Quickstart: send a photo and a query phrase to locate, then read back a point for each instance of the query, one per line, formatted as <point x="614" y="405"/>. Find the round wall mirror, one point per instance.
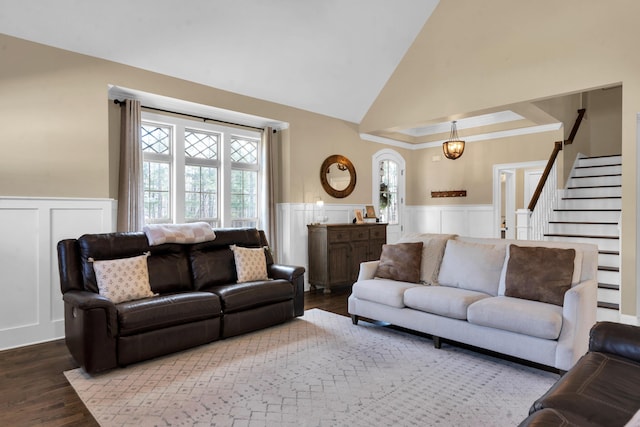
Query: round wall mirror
<point x="338" y="176"/>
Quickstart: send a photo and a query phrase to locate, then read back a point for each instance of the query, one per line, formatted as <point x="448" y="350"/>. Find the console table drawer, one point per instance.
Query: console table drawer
<point x="378" y="233"/>
<point x="360" y="234"/>
<point x="336" y="236"/>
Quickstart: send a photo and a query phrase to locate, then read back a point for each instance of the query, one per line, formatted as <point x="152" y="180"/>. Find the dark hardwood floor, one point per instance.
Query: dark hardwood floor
<point x="33" y="390"/>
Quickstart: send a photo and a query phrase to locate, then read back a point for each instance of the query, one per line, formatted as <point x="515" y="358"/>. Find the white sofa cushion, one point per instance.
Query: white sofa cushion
<point x="383" y="291"/>
<point x="472" y="266"/>
<point x="537" y="319"/>
<point x="432" y="252"/>
<point x="442" y="300"/>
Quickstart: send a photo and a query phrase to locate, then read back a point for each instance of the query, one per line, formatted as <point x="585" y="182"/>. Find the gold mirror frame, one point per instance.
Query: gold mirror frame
<point x="343" y="161"/>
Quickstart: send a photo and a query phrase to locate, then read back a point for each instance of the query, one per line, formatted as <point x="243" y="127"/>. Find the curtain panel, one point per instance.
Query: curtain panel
<point x="130" y="191"/>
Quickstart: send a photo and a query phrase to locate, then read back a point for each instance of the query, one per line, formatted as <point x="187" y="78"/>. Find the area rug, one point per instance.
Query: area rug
<point x="317" y="370"/>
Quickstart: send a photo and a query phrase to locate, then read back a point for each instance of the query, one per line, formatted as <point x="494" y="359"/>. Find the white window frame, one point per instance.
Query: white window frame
<point x="223" y="164"/>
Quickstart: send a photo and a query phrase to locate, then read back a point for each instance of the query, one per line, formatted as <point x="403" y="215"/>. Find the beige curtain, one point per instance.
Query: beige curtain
<point x="130" y="191"/>
<point x="268" y="189"/>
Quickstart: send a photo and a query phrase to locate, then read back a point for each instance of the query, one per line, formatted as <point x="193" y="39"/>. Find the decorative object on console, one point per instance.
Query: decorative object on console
<point x="359" y="217"/>
<point x="454" y="146"/>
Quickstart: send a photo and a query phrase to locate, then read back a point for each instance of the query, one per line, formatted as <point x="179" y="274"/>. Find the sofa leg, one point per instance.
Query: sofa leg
<point x="436" y="342"/>
<point x="354" y="319"/>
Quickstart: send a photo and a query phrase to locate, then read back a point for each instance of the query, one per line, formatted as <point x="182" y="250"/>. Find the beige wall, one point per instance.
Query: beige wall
<point x="504" y="52"/>
<point x="473" y="171"/>
<point x="60" y="132"/>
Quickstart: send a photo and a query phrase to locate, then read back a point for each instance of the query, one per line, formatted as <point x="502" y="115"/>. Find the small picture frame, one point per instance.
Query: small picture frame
<point x="359" y="217"/>
<point x="371" y="212"/>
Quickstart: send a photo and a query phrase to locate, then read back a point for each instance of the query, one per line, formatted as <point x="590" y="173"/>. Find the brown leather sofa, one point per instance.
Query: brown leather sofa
<point x="197" y="301"/>
<point x="602" y="388"/>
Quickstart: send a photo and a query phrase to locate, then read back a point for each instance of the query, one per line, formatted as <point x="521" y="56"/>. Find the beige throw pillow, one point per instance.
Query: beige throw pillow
<point x="432" y="252"/>
<point x="251" y="263"/>
<point x="400" y="262"/>
<point x="124" y="279"/>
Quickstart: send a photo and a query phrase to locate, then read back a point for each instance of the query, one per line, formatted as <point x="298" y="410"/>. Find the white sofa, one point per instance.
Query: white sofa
<point x="462" y="298"/>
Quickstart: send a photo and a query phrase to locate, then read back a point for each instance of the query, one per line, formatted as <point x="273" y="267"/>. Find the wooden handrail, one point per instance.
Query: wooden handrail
<point x="552" y="159"/>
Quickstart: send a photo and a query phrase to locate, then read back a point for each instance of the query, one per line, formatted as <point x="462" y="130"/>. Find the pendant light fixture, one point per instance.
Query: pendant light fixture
<point x="454" y="146"/>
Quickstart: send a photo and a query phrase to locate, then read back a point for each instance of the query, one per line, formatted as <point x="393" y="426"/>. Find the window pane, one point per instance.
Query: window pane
<point x="201" y="145"/>
<point x="244" y="150"/>
<point x="155" y="139"/>
<point x="244" y="195"/>
<point x="389" y="191"/>
<point x="201" y="193"/>
<point x="157" y="194"/>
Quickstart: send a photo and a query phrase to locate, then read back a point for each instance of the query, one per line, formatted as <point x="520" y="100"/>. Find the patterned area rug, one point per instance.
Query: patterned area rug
<point x="317" y="370"/>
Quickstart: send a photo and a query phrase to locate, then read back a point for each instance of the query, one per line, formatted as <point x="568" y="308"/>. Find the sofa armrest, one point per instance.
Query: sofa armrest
<point x="295" y="275"/>
<point x="91" y="330"/>
<point x="616" y="338"/>
<point x="85" y="300"/>
<point x="368" y="270"/>
<point x="578" y="316"/>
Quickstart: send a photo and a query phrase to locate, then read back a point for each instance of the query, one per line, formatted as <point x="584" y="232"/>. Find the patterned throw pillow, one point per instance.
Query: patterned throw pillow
<point x="251" y="263"/>
<point x="123" y="279"/>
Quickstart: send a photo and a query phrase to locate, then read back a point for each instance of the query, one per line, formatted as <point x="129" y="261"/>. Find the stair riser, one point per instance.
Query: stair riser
<point x="591" y="181"/>
<point x="609" y="295"/>
<point x="603" y="244"/>
<point x="607" y="315"/>
<point x="585" y="229"/>
<point x="607" y="260"/>
<point x="590" y="204"/>
<point x="594" y="192"/>
<point x="603" y="170"/>
<point x="597" y="161"/>
<point x="592" y="216"/>
<point x="610" y="277"/>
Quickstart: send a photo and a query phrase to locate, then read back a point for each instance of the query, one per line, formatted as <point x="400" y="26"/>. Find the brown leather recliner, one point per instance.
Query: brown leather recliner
<point x="602" y="388"/>
<point x="197" y="301"/>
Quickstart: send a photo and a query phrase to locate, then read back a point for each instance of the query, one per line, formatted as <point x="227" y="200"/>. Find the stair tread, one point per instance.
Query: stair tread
<point x="582" y="235"/>
<point x="609" y="252"/>
<point x="606" y="268"/>
<point x="609" y="305"/>
<point x="588" y="210"/>
<point x="583" y="222"/>
<point x="592" y="198"/>
<point x="598" y="166"/>
<point x="596" y="186"/>
<point x="597" y="176"/>
<point x="600" y="157"/>
<point x="609" y="286"/>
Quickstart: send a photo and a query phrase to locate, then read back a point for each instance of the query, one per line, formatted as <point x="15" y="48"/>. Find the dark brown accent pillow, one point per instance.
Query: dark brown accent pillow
<point x="400" y="262"/>
<point x="538" y="273"/>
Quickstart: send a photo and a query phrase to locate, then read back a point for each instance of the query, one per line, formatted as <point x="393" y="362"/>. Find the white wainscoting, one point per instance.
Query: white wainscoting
<point x="465" y="220"/>
<point x="31" y="308"/>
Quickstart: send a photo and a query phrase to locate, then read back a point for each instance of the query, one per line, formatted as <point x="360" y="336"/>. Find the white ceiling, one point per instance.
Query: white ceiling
<point x="331" y="57"/>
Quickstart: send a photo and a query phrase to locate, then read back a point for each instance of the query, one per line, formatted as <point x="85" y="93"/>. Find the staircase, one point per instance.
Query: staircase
<point x="590" y="212"/>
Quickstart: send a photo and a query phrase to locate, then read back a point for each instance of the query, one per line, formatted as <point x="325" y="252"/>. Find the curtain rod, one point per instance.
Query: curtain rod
<point x="118" y="102"/>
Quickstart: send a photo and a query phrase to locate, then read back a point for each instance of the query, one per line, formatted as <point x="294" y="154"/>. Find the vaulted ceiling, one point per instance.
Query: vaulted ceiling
<point x="331" y="57"/>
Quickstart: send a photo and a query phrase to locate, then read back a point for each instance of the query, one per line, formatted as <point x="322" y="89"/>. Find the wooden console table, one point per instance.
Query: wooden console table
<point x="336" y="251"/>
